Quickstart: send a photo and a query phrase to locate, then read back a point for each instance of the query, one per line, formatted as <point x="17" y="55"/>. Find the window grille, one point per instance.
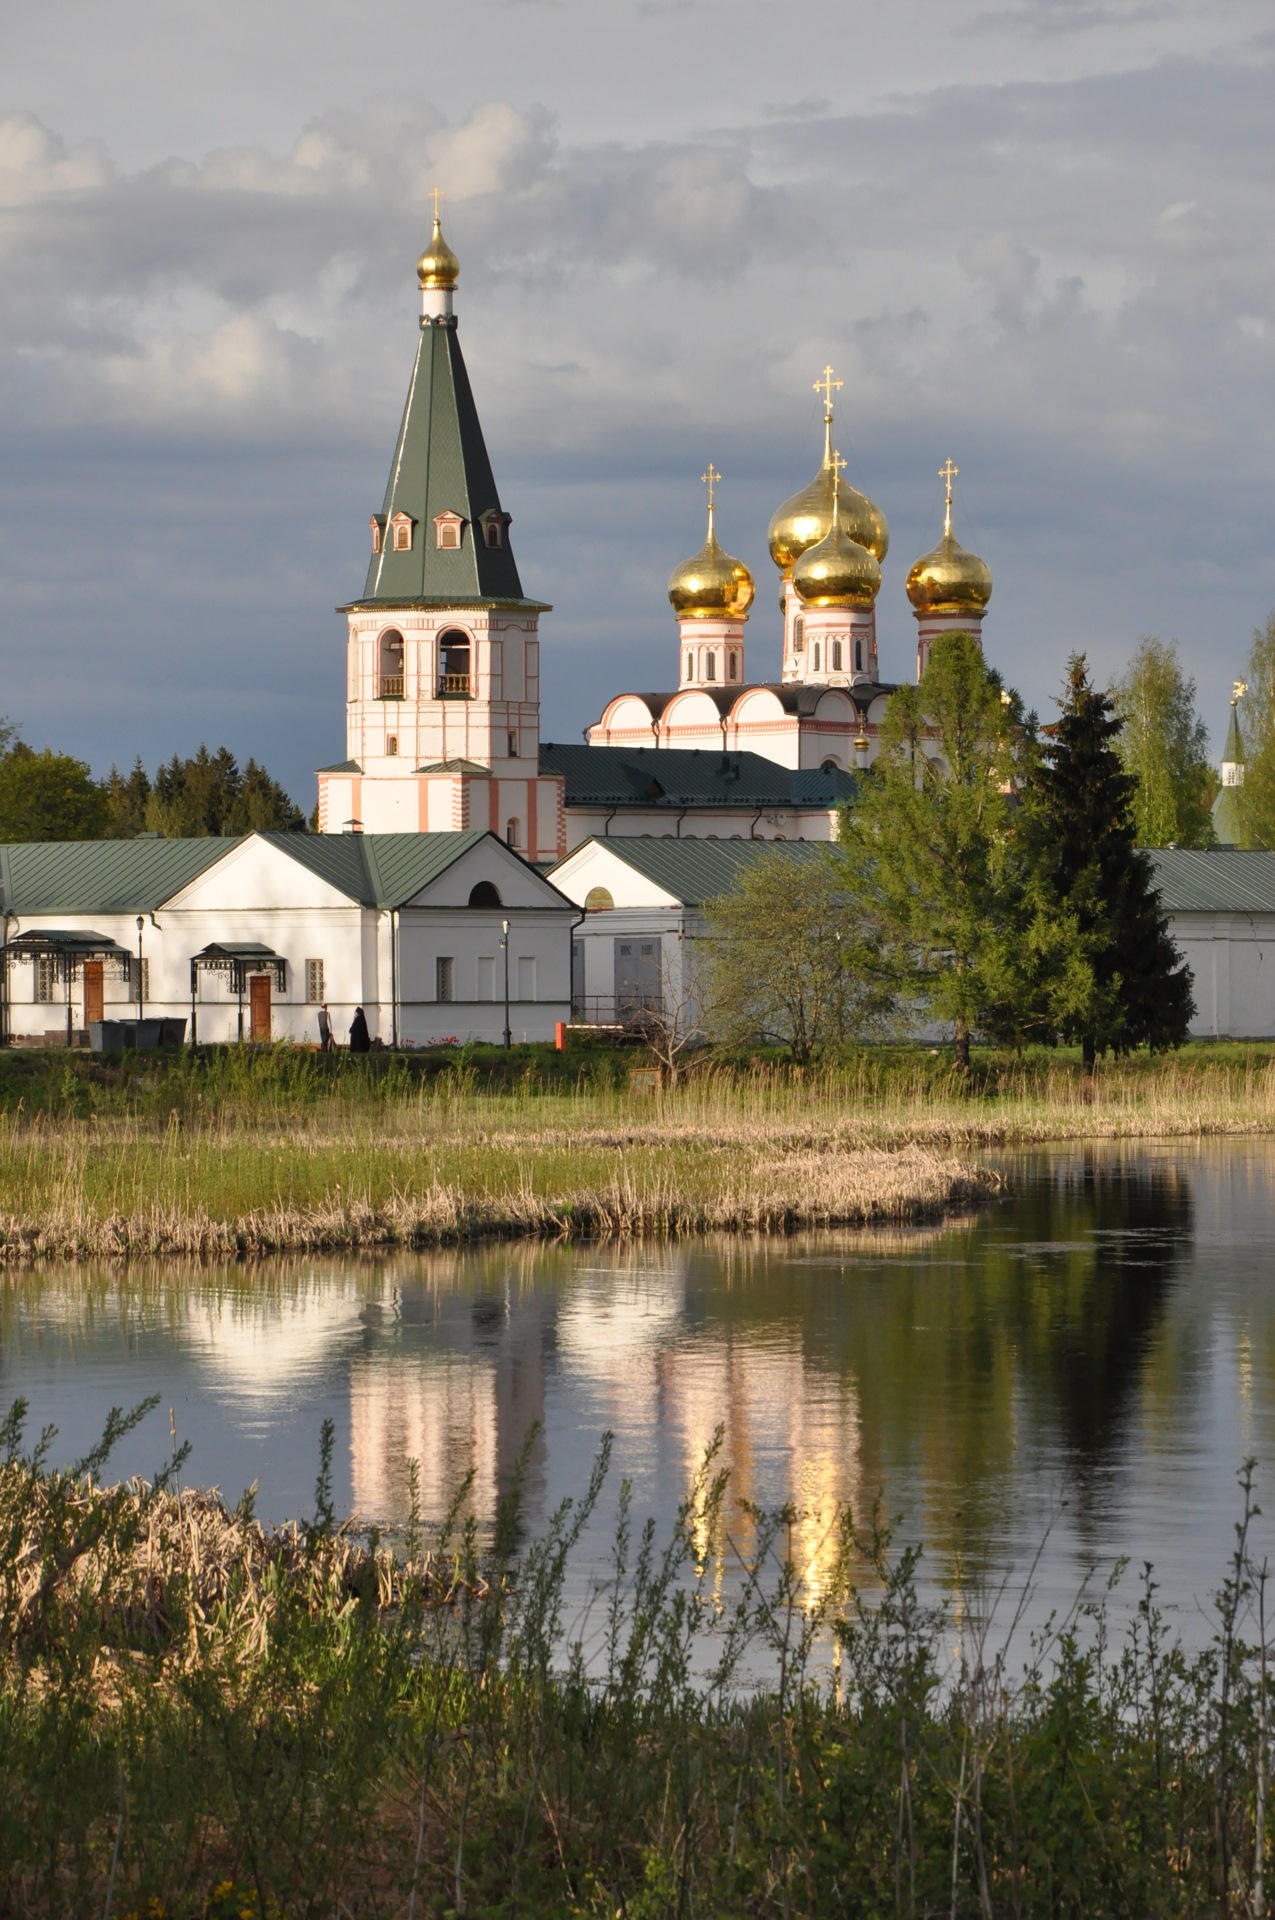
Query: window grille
<point x="314" y="988"/>
<point x="443" y="972"/>
<point x="46" y="977"/>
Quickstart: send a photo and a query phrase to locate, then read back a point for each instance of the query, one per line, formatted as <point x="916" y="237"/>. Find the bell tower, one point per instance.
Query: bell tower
<point x="443" y="648"/>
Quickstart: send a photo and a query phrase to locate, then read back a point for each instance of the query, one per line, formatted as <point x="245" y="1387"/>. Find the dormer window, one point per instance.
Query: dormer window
<point x="447" y="529"/>
<point x="378" y="531"/>
<point x="401" y="525"/>
<point x="493" y="524"/>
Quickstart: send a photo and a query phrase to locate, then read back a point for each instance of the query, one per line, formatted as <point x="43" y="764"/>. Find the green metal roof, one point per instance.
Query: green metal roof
<point x="440" y="466"/>
<point x="341" y="766"/>
<point x="673" y="777"/>
<point x="1226" y="817"/>
<point x="697" y="870"/>
<point x="1221" y="880"/>
<point x="101" y="876"/>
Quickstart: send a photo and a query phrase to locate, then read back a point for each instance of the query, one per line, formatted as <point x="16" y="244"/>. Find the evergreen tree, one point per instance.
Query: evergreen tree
<point x="208" y="794"/>
<point x="1255" y="800"/>
<point x="1079" y="824"/>
<point x="1163" y="743"/>
<point x="934" y="855"/>
<point x="126" y="798"/>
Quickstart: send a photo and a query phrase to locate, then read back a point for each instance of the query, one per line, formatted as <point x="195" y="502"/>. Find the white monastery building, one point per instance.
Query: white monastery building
<point x="470" y="880"/>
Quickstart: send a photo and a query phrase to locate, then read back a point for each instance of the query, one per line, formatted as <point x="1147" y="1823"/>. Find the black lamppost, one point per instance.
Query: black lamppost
<point x="140" y="924"/>
<point x="504" y="929"/>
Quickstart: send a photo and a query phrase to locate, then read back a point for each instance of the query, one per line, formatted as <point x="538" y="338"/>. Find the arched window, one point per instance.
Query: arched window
<point x="836" y="656"/>
<point x="828" y="766"/>
<point x="690" y="666"/>
<point x="858" y="656"/>
<point x="710" y="666"/>
<point x="513" y="833"/>
<point x="485" y="894"/>
<point x="391" y="674"/>
<point x="798" y="633"/>
<point x="599" y="900"/>
<point x="454" y="675"/>
<point x="816" y="656"/>
<point x="733" y="667"/>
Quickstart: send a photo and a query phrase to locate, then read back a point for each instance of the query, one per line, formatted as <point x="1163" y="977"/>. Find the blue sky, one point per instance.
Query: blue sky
<point x="1034" y="237"/>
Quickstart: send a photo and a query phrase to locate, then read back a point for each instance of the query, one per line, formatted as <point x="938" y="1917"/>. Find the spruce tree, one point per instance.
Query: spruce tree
<point x="1079" y="819"/>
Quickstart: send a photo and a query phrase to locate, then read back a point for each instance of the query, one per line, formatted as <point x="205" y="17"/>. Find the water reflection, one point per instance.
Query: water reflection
<point x="1105" y="1339"/>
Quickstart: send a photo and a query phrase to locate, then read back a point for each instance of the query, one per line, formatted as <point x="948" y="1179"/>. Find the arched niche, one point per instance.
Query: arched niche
<point x="455" y="662"/>
<point x="485" y="894"/>
<point x="390" y="664"/>
<point x="599" y="900"/>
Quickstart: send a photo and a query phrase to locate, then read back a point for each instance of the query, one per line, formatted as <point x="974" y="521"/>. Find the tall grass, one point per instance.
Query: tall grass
<point x="315" y="1728"/>
<point x="252" y="1150"/>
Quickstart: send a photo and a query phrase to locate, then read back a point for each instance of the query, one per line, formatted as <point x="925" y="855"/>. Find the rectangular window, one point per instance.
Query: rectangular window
<point x="391" y="743"/>
<point x="314" y="993"/>
<point x="526" y="976"/>
<point x="132" y="977"/>
<point x="46" y="977"/>
<point x="443" y="971"/>
<point x="513" y="746"/>
<point x="486" y="979"/>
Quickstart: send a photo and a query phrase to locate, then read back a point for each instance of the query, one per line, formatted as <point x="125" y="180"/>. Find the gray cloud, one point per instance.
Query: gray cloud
<point x="202" y="361"/>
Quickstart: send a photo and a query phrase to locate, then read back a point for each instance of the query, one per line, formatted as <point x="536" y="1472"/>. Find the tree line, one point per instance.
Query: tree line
<point x="46" y="795"/>
<point x="988" y="878"/>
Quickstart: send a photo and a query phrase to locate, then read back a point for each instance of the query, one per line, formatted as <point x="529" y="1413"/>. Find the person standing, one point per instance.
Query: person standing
<point x="360" y="1039"/>
<point x="326" y="1042"/>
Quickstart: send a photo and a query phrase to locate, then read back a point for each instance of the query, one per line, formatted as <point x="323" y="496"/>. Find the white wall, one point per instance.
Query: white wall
<point x="1232" y="956"/>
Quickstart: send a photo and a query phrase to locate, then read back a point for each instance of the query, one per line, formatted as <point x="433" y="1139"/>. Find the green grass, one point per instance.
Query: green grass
<point x="284" y="1147"/>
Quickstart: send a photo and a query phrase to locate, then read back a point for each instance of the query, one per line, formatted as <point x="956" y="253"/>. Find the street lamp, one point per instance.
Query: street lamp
<point x="140" y="924"/>
<point x="504" y="942"/>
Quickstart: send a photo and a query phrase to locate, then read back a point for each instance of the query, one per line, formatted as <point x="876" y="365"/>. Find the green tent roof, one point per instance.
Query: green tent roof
<point x="1222" y="880"/>
<point x="440" y="466"/>
<point x="697" y="870"/>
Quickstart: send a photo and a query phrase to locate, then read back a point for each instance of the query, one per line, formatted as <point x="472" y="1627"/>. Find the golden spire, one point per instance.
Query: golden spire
<point x="710" y="480"/>
<point x="438" y="265"/>
<point x="947" y="473"/>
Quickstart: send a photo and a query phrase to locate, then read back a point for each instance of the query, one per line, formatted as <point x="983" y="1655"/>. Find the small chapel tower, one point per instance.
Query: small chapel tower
<point x="948" y="587"/>
<point x="443" y="654"/>
<point x="1226" y="813"/>
<point x="711" y="594"/>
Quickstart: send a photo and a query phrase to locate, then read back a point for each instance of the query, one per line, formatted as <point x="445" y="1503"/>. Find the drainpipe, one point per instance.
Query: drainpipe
<point x="393" y="976"/>
<point x="606" y="825"/>
<point x="4" y="981"/>
<point x="752" y="831"/>
<point x="681" y="816"/>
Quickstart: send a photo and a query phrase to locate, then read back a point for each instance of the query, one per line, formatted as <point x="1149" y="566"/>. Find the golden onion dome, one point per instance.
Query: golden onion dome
<point x="837" y="571"/>
<point x="949" y="580"/>
<point x="438" y="265"/>
<point x="806" y="519"/>
<point x="712" y="585"/>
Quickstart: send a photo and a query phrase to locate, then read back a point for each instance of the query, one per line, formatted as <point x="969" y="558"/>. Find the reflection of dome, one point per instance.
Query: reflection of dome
<point x="807" y="518"/>
<point x="438" y="265"/>
<point x="949" y="580"/>
<point x="837" y="571"/>
<point x="712" y="586"/>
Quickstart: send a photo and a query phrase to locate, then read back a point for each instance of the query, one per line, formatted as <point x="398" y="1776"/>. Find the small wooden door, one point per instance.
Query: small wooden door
<point x="94" y="996"/>
<point x="259" y="992"/>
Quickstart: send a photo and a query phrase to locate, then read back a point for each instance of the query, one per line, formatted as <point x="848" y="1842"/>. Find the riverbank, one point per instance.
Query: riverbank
<point x="254" y="1152"/>
<point x="205" y="1719"/>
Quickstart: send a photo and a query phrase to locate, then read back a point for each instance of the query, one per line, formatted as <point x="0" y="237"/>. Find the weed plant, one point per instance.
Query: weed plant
<point x="421" y="1732"/>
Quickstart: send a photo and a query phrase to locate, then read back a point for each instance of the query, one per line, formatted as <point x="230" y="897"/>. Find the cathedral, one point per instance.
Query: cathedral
<point x="443" y="653"/>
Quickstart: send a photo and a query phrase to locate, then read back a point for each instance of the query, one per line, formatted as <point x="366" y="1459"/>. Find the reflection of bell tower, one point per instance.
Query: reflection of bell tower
<point x="443" y="657"/>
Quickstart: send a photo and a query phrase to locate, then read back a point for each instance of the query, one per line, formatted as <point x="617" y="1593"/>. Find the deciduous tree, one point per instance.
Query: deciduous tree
<point x="1255" y="800"/>
<point x="48" y="796"/>
<point x="1163" y="744"/>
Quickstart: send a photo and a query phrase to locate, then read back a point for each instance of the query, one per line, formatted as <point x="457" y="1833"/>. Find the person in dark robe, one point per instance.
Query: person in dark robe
<point x="360" y="1039"/>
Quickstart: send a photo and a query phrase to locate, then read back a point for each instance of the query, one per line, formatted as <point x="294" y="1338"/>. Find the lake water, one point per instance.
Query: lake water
<point x="1087" y="1363"/>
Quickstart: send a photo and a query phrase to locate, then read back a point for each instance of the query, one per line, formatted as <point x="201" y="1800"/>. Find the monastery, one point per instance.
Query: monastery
<point x="471" y="881"/>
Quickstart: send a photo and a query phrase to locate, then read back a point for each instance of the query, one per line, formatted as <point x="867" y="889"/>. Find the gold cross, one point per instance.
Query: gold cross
<point x="837" y="464"/>
<point x="827" y="384"/>
<point x="710" y="480"/>
<point x="947" y="473"/>
<point x="438" y="195"/>
<point x="1239" y="690"/>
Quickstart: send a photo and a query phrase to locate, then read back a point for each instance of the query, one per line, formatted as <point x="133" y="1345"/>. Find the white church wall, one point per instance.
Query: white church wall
<point x="468" y="940"/>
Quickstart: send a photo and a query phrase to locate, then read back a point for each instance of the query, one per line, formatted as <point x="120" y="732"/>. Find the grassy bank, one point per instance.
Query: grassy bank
<point x="200" y="1718"/>
<point x="259" y="1151"/>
